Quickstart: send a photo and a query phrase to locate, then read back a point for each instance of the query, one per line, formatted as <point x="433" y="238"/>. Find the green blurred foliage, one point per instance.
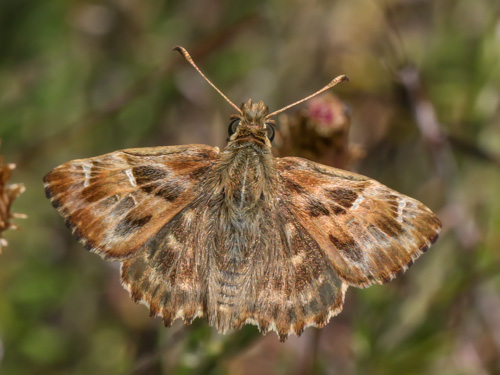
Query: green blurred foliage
<point x="82" y="78"/>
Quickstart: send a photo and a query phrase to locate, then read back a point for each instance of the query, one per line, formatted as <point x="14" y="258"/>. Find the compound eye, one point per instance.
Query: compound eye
<point x="270" y="131"/>
<point x="233" y="126"/>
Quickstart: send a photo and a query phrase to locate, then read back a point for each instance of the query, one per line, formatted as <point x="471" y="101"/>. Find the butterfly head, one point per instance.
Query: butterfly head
<point x="252" y="124"/>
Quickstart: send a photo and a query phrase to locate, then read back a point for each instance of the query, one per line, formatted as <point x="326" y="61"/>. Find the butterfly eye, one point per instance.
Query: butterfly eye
<point x="270" y="131"/>
<point x="233" y="126"/>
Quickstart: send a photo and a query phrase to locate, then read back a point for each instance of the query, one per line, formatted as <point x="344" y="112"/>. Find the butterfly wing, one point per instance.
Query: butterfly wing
<point x="323" y="229"/>
<point x="169" y="272"/>
<point x="298" y="287"/>
<point x="369" y="232"/>
<point x="115" y="202"/>
<point x="265" y="270"/>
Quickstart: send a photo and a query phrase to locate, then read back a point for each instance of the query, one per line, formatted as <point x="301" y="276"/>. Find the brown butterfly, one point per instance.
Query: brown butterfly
<point x="238" y="236"/>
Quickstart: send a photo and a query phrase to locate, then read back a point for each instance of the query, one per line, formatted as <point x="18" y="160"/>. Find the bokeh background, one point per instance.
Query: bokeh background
<point x="82" y="78"/>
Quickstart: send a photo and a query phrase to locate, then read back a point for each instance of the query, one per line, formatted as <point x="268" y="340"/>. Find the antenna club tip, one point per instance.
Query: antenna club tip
<point x="180" y="49"/>
<point x="338" y="80"/>
<point x="343" y="78"/>
<point x="184" y="54"/>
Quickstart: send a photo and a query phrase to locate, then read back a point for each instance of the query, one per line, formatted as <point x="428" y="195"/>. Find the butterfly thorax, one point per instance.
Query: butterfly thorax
<point x="246" y="176"/>
<point x="246" y="168"/>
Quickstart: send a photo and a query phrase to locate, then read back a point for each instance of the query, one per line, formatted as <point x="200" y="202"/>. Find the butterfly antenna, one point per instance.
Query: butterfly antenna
<point x="334" y="82"/>
<point x="186" y="55"/>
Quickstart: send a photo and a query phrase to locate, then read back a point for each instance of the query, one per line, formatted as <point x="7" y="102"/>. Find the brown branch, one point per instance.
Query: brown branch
<point x="8" y="193"/>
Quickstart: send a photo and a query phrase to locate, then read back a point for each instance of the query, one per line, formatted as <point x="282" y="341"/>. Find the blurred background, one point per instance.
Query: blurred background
<point x="421" y="114"/>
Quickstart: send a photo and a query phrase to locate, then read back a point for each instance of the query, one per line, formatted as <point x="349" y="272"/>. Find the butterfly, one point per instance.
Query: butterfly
<point x="239" y="236"/>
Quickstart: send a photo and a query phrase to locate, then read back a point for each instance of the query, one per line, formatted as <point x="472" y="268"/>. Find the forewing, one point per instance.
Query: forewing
<point x="115" y="202"/>
<point x="369" y="232"/>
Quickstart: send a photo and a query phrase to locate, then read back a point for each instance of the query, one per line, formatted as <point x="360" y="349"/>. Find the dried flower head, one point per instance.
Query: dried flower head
<point x="8" y="193"/>
<point x="320" y="133"/>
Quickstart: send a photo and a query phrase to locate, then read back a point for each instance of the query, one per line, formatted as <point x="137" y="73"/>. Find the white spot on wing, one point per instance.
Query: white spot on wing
<point x="131" y="177"/>
<point x="401" y="206"/>
<point x="356" y="203"/>
<point x="298" y="259"/>
<point x="86" y="170"/>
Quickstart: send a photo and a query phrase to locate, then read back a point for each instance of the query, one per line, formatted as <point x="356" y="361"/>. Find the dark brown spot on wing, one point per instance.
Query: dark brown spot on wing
<point x="56" y="204"/>
<point x="312" y="308"/>
<point x="301" y="277"/>
<point x="347" y="246"/>
<point x="389" y="226"/>
<point x="316" y="208"/>
<point x="169" y="191"/>
<point x="87" y="244"/>
<point x="146" y="174"/>
<point x="293" y="186"/>
<point x="291" y="314"/>
<point x="326" y="294"/>
<point x="165" y="259"/>
<point x="131" y="223"/>
<point x="125" y="205"/>
<point x="435" y="236"/>
<point x="344" y="197"/>
<point x="337" y="210"/>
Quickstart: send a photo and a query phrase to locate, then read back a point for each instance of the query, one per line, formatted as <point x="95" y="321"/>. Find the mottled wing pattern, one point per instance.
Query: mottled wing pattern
<point x="283" y="265"/>
<point x="369" y="232"/>
<point x="284" y="281"/>
<point x="115" y="202"/>
<point x="299" y="287"/>
<point x="169" y="271"/>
